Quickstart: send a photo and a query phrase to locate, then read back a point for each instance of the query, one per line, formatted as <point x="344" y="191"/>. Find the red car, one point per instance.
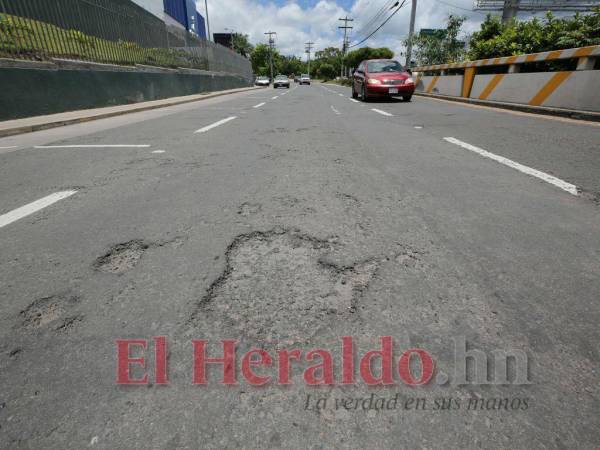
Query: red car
<point x="382" y="78"/>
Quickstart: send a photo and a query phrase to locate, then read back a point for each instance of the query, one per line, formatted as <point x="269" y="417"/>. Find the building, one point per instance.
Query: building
<point x="176" y="13"/>
<point x="224" y="39"/>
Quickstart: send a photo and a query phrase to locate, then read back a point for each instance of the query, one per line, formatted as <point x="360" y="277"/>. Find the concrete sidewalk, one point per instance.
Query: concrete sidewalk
<point x="30" y="124"/>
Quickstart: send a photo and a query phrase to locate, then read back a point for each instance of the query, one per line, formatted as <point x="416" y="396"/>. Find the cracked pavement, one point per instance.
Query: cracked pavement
<point x="291" y="227"/>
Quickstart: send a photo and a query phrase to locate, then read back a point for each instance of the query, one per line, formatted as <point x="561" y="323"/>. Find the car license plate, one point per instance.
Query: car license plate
<point x="393" y="90"/>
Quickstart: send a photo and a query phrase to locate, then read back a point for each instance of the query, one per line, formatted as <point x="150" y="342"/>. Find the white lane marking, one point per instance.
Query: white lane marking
<point x="6" y="148"/>
<point x="383" y="113"/>
<point x="273" y="98"/>
<point x="214" y="125"/>
<point x="341" y="95"/>
<point x="418" y="127"/>
<point x="94" y="146"/>
<point x="335" y="110"/>
<point x="259" y="105"/>
<point x="570" y="188"/>
<point x="158" y="151"/>
<point x="32" y="207"/>
<point x="354" y="100"/>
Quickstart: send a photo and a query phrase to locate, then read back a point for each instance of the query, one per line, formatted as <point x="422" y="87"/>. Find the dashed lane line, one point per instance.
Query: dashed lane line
<point x="95" y="146"/>
<point x="216" y="124"/>
<point x="32" y="207"/>
<point x="259" y="105"/>
<point x="568" y="187"/>
<point x="383" y="113"/>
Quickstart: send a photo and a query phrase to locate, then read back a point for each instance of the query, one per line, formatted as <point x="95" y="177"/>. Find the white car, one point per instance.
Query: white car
<point x="305" y="79"/>
<point x="262" y="81"/>
<point x="281" y="81"/>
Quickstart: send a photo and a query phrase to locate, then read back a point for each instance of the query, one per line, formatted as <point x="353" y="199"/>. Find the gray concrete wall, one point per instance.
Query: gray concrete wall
<point x="580" y="90"/>
<point x="445" y="85"/>
<point x="32" y="89"/>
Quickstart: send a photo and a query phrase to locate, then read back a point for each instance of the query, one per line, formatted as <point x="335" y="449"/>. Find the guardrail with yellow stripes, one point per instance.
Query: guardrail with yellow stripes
<point x="577" y="89"/>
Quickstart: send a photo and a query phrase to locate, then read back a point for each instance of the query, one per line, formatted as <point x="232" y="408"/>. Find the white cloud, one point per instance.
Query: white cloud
<point x="319" y="23"/>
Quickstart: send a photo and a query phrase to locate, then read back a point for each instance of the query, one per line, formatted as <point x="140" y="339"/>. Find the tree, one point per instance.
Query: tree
<point x="327" y="71"/>
<point x="260" y="60"/>
<point x="496" y="39"/>
<point x="329" y="55"/>
<point x="439" y="48"/>
<point x="355" y="57"/>
<point x="288" y="65"/>
<point x="241" y="44"/>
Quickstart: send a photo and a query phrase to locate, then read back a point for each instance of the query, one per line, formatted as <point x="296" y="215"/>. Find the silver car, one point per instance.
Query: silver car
<point x="281" y="81"/>
<point x="262" y="81"/>
<point x="305" y="79"/>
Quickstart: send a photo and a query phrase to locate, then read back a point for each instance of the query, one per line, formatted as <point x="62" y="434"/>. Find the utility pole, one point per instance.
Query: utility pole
<point x="345" y="42"/>
<point x="411" y="32"/>
<point x="308" y="49"/>
<point x="509" y="10"/>
<point x="207" y="24"/>
<point x="271" y="44"/>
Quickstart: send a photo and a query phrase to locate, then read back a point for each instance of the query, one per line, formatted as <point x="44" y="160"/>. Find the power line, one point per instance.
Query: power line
<point x="386" y="7"/>
<point x="380" y="26"/>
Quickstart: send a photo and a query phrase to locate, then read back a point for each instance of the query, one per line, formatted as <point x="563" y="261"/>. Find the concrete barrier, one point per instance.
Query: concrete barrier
<point x="442" y="85"/>
<point x="570" y="90"/>
<point x="32" y="89"/>
<point x="576" y="90"/>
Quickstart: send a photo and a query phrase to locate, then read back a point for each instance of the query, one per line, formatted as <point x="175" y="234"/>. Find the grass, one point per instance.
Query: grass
<point x="31" y="39"/>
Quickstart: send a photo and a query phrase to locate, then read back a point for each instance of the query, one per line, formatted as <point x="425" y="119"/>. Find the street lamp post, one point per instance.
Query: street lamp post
<point x="207" y="23"/>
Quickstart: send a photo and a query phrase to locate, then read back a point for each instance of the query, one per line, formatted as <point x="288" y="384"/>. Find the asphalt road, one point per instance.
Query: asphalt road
<point x="305" y="218"/>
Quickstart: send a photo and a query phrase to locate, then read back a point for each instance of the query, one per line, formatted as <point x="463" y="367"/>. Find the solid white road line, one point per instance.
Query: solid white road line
<point x="383" y="113"/>
<point x="354" y="100"/>
<point x="214" y="125"/>
<point x="32" y="207"/>
<point x="259" y="105"/>
<point x="94" y="146"/>
<point x="335" y="110"/>
<point x="570" y="188"/>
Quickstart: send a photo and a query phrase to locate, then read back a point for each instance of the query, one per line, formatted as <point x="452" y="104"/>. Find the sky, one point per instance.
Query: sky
<point x="300" y="21"/>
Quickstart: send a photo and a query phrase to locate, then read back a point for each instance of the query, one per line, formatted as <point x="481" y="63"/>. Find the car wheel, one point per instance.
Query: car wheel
<point x="363" y="94"/>
<point x="406" y="98"/>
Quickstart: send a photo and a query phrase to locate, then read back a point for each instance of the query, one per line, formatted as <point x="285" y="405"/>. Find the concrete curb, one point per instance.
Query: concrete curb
<point x="21" y="126"/>
<point x="570" y="113"/>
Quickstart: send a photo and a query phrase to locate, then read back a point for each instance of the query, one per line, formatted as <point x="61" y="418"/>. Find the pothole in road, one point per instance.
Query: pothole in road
<point x="247" y="209"/>
<point x="46" y="310"/>
<point x="281" y="286"/>
<point x="121" y="257"/>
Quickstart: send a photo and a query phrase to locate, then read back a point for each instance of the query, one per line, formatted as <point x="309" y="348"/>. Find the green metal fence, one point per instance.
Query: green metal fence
<point x="106" y="31"/>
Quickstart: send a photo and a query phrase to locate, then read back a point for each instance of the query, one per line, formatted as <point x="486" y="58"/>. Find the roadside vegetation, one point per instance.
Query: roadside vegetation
<point x="495" y="39"/>
<point x="32" y="39"/>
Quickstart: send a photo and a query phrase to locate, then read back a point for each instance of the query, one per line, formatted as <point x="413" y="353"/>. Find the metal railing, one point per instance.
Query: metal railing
<point x="107" y="31"/>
